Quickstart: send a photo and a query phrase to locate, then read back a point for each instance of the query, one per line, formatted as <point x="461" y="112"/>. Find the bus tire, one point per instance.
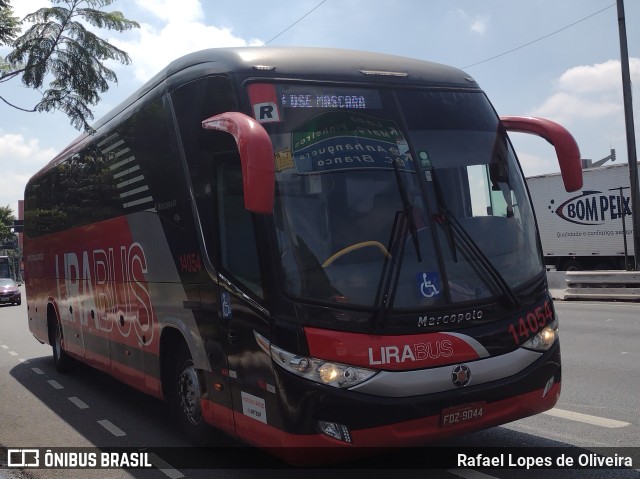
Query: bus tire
<point x="185" y="391"/>
<point x="61" y="359"/>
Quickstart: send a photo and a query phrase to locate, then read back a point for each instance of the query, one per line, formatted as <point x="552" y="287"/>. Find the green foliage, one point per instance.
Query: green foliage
<point x="9" y="25"/>
<point x="8" y="240"/>
<point x="59" y="49"/>
<point x="6" y="221"/>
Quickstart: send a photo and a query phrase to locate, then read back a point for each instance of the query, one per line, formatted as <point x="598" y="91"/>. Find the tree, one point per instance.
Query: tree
<point x="9" y="241"/>
<point x="9" y="25"/>
<point x="59" y="48"/>
<point x="6" y="221"/>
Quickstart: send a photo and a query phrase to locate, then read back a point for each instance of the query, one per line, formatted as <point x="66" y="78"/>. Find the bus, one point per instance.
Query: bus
<point x="5" y="267"/>
<point x="303" y="248"/>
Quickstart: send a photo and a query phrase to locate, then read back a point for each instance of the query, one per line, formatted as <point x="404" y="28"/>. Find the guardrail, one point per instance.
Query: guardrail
<point x="599" y="285"/>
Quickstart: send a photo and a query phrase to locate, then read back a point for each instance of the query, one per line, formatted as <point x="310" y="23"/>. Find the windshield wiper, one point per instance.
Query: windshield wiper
<point x="407" y="210"/>
<point x="388" y="284"/>
<point x="473" y="251"/>
<point x="470" y="249"/>
<point x="390" y="277"/>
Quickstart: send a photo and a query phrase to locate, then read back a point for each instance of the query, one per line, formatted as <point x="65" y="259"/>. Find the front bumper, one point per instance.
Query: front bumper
<point x="380" y="422"/>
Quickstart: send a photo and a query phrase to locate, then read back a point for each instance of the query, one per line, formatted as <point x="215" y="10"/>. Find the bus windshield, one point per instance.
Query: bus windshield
<point x="408" y="196"/>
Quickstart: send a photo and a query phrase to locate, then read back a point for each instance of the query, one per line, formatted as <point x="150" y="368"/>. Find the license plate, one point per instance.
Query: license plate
<point x="463" y="413"/>
<point x="5" y="300"/>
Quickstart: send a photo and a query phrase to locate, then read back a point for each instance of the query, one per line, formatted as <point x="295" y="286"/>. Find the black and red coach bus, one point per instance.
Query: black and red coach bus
<point x="302" y="247"/>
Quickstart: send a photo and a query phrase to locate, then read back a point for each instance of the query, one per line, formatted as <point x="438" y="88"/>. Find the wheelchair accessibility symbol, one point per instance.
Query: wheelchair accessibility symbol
<point x="428" y="284"/>
<point x="225" y="302"/>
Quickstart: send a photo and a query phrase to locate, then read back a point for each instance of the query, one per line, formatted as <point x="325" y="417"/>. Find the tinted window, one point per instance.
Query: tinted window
<point x="216" y="177"/>
<point x="113" y="175"/>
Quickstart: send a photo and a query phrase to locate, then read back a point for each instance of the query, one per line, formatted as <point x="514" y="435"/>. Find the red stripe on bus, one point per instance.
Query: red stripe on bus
<point x="124" y="373"/>
<point x="416" y="432"/>
<point x="218" y="416"/>
<point x="390" y="352"/>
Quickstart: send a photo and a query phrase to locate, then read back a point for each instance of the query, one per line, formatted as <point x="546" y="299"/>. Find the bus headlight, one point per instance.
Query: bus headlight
<point x="330" y="373"/>
<point x="544" y="339"/>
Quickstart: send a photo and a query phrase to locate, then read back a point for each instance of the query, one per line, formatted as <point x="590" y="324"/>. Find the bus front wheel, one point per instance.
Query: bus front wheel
<point x="185" y="393"/>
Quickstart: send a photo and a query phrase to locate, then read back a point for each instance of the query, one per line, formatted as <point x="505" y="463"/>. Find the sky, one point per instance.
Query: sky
<point x="557" y="59"/>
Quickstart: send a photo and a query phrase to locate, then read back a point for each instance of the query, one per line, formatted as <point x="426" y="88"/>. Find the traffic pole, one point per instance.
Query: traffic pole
<point x="631" y="136"/>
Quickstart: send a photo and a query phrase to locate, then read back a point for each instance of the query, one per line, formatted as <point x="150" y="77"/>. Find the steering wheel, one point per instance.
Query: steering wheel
<point x="354" y="247"/>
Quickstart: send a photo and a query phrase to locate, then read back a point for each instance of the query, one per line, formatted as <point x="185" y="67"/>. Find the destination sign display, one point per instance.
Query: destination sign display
<point x="301" y="96"/>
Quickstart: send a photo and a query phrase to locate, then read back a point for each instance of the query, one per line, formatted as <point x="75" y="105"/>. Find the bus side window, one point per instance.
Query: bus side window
<point x="238" y="252"/>
<point x="214" y="168"/>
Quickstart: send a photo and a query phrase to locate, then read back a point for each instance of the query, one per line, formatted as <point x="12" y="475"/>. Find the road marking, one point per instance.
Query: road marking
<point x="55" y="384"/>
<point x="37" y="370"/>
<point x="79" y="402"/>
<point x="4" y="346"/>
<point x="165" y="468"/>
<point x="586" y="418"/>
<point x="13" y="353"/>
<point x="470" y="474"/>
<point x="112" y="428"/>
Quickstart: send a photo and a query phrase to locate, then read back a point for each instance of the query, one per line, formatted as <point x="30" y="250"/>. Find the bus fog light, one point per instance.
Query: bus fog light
<point x="335" y="430"/>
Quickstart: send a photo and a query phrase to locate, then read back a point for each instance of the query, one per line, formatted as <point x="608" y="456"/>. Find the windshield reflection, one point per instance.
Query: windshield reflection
<point x="358" y="222"/>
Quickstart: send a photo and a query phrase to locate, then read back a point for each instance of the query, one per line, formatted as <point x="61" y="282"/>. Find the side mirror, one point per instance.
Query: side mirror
<point x="566" y="147"/>
<point x="256" y="158"/>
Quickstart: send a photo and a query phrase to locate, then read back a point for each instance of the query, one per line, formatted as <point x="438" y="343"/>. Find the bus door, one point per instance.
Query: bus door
<point x="215" y="168"/>
<point x="217" y="407"/>
<point x="242" y="316"/>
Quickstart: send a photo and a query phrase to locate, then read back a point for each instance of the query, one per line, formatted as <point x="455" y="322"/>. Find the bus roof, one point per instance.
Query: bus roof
<point x="328" y="64"/>
<point x="302" y="63"/>
<point x="319" y="63"/>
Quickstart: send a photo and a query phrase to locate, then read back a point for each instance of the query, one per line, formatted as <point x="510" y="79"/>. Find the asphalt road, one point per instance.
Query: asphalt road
<point x="598" y="409"/>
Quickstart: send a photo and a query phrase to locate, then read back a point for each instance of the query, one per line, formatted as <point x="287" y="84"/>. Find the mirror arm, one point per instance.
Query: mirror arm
<point x="566" y="147"/>
<point x="256" y="157"/>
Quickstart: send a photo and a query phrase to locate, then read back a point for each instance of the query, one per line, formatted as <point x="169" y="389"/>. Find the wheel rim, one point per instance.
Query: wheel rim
<point x="189" y="392"/>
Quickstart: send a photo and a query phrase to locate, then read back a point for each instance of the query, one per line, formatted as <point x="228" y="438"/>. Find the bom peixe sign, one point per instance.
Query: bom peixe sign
<point x="595" y="207"/>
